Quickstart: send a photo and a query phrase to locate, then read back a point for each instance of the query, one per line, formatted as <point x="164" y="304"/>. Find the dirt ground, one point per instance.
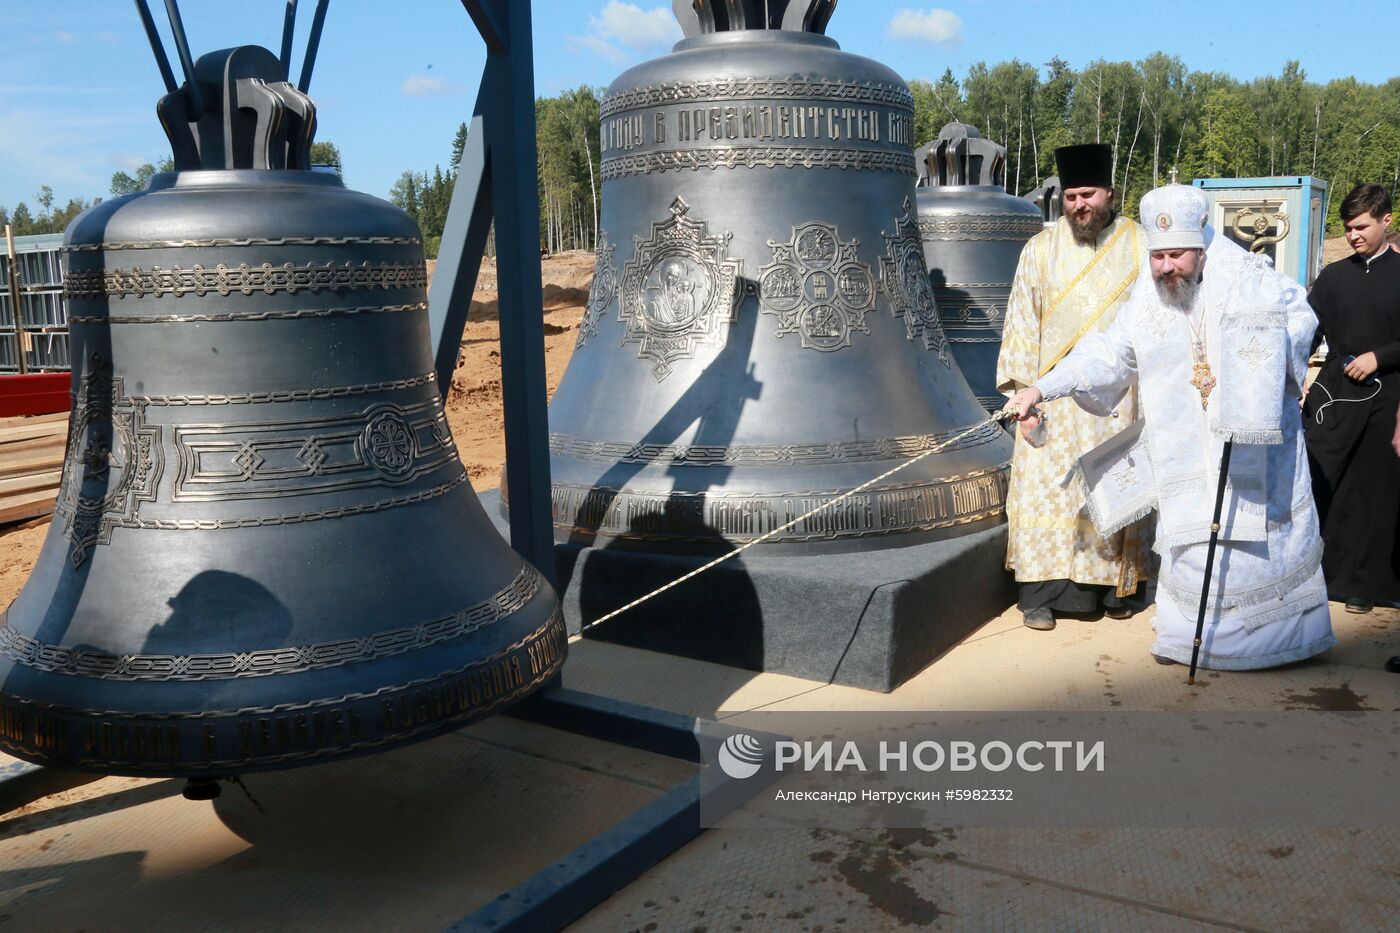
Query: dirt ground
<point x="474" y="404"/>
<point x="1334" y="249"/>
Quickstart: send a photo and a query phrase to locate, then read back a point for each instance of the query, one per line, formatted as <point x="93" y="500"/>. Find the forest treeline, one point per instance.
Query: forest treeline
<point x="1156" y="113"/>
<point x="24" y="221"/>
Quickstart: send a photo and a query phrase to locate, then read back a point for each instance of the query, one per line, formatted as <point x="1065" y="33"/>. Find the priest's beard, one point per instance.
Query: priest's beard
<point x="1179" y="293"/>
<point x="1086" y="229"/>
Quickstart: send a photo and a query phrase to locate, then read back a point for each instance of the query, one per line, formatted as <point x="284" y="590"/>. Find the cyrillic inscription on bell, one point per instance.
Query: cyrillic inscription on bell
<point x="265" y="550"/>
<point x="973" y="233"/>
<point x="762" y="336"/>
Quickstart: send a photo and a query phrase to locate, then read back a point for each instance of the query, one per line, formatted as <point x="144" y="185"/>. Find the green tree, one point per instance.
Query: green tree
<point x="935" y="106"/>
<point x="327" y="153"/>
<point x="22" y="220"/>
<point x="1163" y="87"/>
<point x="459" y="145"/>
<point x="404" y="193"/>
<point x="1230" y="133"/>
<point x="122" y="183"/>
<point x="1053" y="106"/>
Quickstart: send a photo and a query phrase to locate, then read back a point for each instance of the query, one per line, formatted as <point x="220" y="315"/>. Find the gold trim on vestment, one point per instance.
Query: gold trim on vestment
<point x="1111" y="298"/>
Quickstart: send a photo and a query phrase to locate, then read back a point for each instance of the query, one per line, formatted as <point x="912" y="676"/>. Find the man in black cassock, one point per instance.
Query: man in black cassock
<point x="1350" y="411"/>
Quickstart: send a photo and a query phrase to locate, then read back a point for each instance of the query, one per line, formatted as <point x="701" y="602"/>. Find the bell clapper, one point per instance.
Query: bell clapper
<point x="202" y="788"/>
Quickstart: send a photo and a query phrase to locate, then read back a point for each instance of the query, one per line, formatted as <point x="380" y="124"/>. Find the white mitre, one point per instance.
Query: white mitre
<point x="1175" y="217"/>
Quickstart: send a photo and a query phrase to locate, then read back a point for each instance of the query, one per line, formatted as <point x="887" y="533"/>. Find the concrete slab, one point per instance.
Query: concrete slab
<point x="870" y="618"/>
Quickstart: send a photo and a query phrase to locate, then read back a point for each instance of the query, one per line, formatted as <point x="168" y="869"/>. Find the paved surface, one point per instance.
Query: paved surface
<point x="417" y="838"/>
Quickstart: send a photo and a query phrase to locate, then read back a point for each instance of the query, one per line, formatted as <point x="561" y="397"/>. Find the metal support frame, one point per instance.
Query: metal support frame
<point x="584" y="878"/>
<point x="493" y="182"/>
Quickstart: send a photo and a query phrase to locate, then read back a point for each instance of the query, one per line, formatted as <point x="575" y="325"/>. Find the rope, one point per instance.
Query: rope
<point x="799" y="519"/>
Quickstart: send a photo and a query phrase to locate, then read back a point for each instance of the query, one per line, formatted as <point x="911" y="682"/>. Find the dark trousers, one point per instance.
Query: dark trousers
<point x="1070" y="598"/>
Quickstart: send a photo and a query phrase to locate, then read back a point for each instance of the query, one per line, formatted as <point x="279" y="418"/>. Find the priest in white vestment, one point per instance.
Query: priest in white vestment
<point x="1216" y="343"/>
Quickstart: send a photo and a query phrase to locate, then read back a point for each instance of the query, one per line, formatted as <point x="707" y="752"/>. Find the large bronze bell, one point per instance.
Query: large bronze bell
<point x="265" y="551"/>
<point x="761" y="336"/>
<point x="973" y="233"/>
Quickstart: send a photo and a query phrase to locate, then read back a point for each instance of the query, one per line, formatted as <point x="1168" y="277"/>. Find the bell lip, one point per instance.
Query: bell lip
<point x="544" y="679"/>
<point x="242" y="178"/>
<point x="749" y="36"/>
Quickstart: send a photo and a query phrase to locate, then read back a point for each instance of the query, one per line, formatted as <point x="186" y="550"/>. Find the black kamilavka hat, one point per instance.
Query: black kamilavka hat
<point x="1088" y="165"/>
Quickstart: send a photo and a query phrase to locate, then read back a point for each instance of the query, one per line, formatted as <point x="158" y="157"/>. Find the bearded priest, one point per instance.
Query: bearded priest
<point x="1217" y="343"/>
<point x="1072" y="280"/>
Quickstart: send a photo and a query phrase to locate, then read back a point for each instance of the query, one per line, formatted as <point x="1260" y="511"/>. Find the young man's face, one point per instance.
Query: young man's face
<point x="1366" y="233"/>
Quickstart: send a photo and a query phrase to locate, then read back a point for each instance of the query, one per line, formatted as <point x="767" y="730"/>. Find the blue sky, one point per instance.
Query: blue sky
<point x="393" y="80"/>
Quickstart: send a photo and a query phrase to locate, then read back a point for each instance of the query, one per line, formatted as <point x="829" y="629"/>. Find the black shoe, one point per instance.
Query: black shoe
<point x="1161" y="659"/>
<point x="1042" y="620"/>
<point x="1359" y="606"/>
<point x="1393" y="665"/>
<point x="1119" y="612"/>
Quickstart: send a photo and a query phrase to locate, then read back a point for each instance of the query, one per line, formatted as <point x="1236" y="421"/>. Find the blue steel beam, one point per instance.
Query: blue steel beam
<point x="504" y="130"/>
<point x="463" y="244"/>
<point x="524" y="394"/>
<point x="488" y="23"/>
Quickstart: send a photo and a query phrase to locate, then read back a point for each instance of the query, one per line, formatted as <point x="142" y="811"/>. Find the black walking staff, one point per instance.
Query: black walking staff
<point x="1210" y="558"/>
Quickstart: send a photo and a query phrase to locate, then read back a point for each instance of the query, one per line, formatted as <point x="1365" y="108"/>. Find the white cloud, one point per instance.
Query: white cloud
<point x="128" y="162"/>
<point x="601" y="47"/>
<point x="628" y="24"/>
<point x="67" y="38"/>
<point x="939" y="26"/>
<point x="426" y="86"/>
<point x="64" y="149"/>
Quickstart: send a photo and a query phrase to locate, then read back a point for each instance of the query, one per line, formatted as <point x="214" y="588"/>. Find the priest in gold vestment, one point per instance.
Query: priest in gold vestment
<point x="1072" y="279"/>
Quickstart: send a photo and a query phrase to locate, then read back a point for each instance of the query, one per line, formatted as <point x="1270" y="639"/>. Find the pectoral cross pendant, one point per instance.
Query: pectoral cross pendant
<point x="1203" y="380"/>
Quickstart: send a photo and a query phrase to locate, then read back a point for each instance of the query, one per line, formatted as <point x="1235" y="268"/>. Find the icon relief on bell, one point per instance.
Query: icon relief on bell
<point x="678" y="291"/>
<point x="817" y="287"/>
<point x="905" y="278"/>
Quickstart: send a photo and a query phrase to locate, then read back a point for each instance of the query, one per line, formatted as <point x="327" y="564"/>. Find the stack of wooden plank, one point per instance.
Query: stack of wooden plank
<point x="31" y="463"/>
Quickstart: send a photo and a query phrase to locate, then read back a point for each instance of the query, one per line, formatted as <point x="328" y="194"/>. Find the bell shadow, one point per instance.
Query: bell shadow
<point x="217" y="607"/>
<point x="976" y="361"/>
<point x="686" y="620"/>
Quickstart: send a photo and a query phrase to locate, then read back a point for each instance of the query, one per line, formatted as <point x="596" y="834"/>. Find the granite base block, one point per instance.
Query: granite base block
<point x="869" y="619"/>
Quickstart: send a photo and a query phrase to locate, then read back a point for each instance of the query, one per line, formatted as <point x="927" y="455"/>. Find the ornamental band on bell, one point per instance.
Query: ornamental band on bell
<point x="817" y="287"/>
<point x="601" y="292"/>
<point x="905" y="278"/>
<point x="679" y="291"/>
<point x="121" y="460"/>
